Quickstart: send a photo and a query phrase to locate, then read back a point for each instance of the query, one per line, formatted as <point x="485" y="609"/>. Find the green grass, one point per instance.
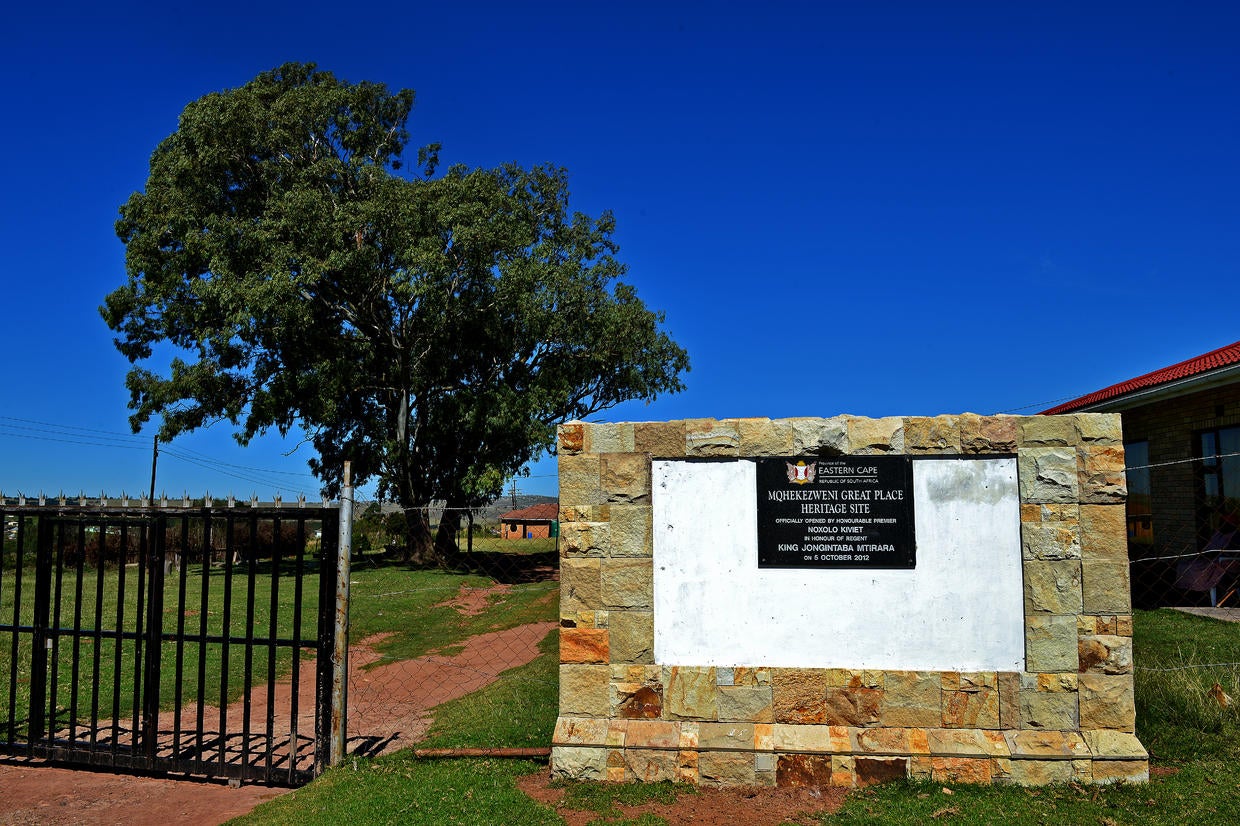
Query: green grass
<point x="517" y="711"/>
<point x="1178" y="720"/>
<point x="98" y="601"/>
<point x="1190" y="738"/>
<point x="411" y="607"/>
<point x="401" y="789"/>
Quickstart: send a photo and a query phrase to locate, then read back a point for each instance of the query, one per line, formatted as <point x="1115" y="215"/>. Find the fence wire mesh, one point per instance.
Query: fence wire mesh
<point x="1184" y="562"/>
<point x="460" y="654"/>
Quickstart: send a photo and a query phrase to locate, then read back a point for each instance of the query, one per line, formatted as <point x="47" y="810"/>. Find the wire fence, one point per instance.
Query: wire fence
<point x="1183" y="520"/>
<point x="459" y="654"/>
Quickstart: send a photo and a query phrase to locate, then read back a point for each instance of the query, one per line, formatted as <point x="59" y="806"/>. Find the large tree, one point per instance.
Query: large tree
<point x="431" y="328"/>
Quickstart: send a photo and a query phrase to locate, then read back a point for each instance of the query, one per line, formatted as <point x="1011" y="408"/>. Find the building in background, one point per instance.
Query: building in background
<point x="535" y="522"/>
<point x="1182" y="453"/>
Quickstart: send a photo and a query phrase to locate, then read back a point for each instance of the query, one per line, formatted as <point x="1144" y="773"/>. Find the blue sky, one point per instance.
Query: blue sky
<point x="866" y="208"/>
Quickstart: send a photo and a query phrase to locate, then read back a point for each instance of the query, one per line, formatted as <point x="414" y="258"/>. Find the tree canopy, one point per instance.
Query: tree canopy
<point x="432" y="328"/>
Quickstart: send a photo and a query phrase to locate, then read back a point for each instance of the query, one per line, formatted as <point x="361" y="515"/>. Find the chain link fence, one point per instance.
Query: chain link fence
<point x="1184" y="529"/>
<point x="460" y="655"/>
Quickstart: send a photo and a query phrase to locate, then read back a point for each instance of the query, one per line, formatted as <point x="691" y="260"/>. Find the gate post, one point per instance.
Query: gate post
<point x="156" y="549"/>
<point x="41" y="639"/>
<point x="340" y="660"/>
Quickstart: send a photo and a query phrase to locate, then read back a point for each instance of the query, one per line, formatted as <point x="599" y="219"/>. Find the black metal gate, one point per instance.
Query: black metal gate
<point x="194" y="640"/>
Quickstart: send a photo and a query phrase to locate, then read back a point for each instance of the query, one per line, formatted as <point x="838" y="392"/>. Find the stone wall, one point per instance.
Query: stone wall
<point x="1068" y="716"/>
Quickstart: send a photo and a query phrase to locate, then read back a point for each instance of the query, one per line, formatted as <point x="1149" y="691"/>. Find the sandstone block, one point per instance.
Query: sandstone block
<point x="572" y="731"/>
<point x="799" y="695"/>
<point x="1055" y="710"/>
<point x="939" y="435"/>
<point x="727" y="768"/>
<point x="812" y="739"/>
<point x="689" y="694"/>
<point x="711" y="438"/>
<point x="1047" y="744"/>
<point x="1107" y="702"/>
<point x="632" y="636"/>
<point x="631" y="530"/>
<point x="1114" y="745"/>
<point x="1105" y="588"/>
<point x="580" y="586"/>
<point x="585" y="539"/>
<point x="627" y="583"/>
<point x="579" y="480"/>
<point x="570" y="438"/>
<point x="1104" y="533"/>
<point x="1048" y="474"/>
<point x="966" y="743"/>
<point x="1051" y="512"/>
<point x="1121" y="771"/>
<point x="637" y="701"/>
<point x="584" y="690"/>
<point x="1102" y="479"/>
<point x="971" y="701"/>
<point x="662" y="440"/>
<point x="583" y="645"/>
<point x="1050" y="643"/>
<point x="1105" y="654"/>
<point x="987" y="434"/>
<point x="650" y="766"/>
<point x="1047" y="431"/>
<point x="763" y="437"/>
<point x="853" y="705"/>
<point x="1050" y="540"/>
<point x="1009" y="699"/>
<point x="819" y="436"/>
<point x="1099" y="428"/>
<point x="609" y="438"/>
<point x="652" y="734"/>
<point x="1041" y="772"/>
<point x="1053" y="587"/>
<point x="752" y="704"/>
<point x="843" y="769"/>
<point x="869" y="436"/>
<point x="579" y="763"/>
<point x="625" y="477"/>
<point x="883" y="740"/>
<point x="726" y="736"/>
<point x="960" y="769"/>
<point x="912" y="699"/>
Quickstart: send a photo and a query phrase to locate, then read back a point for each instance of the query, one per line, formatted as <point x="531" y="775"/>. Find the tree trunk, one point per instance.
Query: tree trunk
<point x="445" y="540"/>
<point x="419" y="543"/>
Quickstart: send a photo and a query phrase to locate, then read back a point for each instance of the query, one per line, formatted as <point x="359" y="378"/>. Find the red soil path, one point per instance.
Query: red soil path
<point x="390" y="705"/>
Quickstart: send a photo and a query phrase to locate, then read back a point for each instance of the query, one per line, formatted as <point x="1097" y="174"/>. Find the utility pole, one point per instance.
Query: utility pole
<point x="512" y="492"/>
<point x="154" y="459"/>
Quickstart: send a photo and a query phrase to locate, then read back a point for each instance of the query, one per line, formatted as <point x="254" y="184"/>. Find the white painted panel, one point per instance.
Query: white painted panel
<point x="960" y="609"/>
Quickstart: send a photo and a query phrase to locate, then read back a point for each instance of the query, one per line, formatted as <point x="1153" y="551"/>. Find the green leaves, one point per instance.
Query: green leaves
<point x="432" y="329"/>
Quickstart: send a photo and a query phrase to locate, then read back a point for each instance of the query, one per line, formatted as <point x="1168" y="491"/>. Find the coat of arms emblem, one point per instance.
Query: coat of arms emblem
<point x="801" y="473"/>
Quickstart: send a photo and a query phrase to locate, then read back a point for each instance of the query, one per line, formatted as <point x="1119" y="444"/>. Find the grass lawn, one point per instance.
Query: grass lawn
<point x="1195" y="746"/>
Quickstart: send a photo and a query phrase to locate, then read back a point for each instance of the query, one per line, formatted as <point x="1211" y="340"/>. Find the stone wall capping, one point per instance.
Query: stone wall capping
<point x="1068" y="716"/>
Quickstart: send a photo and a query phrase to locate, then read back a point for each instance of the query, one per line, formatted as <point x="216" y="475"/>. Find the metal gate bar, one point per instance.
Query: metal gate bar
<point x="151" y="727"/>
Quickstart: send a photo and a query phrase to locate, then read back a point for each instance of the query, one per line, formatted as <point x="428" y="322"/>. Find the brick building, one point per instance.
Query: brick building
<point x="534" y="522"/>
<point x="1181" y="429"/>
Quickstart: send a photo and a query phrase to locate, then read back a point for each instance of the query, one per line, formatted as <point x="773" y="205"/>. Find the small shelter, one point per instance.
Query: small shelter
<point x="535" y="522"/>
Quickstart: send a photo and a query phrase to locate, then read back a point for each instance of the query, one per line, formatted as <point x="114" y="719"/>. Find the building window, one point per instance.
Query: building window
<point x="1140" y="509"/>
<point x="1218" y="488"/>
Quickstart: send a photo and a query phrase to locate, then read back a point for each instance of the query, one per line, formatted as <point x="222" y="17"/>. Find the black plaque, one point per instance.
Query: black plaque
<point x="850" y="512"/>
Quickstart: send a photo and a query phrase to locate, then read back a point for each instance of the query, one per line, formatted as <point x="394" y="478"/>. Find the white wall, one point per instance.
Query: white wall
<point x="960" y="609"/>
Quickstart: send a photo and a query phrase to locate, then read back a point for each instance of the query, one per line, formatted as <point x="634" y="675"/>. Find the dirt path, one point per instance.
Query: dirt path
<point x="391" y="704"/>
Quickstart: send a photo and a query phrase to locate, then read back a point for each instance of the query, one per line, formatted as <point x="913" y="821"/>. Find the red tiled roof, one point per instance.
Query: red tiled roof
<point x="1213" y="360"/>
<point x="545" y="512"/>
